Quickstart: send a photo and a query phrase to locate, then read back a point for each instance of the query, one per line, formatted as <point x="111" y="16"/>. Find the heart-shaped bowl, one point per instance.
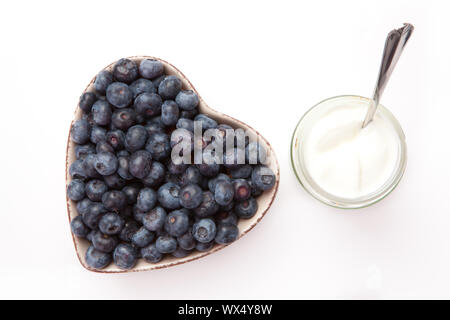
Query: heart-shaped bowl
<point x="265" y="200"/>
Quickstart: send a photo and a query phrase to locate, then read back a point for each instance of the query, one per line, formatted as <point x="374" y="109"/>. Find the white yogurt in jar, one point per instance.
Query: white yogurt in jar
<point x="346" y="160"/>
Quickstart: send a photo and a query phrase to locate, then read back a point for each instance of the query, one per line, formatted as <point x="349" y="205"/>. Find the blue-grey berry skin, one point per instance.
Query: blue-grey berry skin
<point x="78" y="227"/>
<point x="125" y="70"/>
<point x="226" y="233"/>
<point x="104" y="242"/>
<point x="189" y="114"/>
<point x="169" y="87"/>
<point x="148" y="104"/>
<point x="155" y="219"/>
<point x="81" y="151"/>
<point x="247" y="208"/>
<point x="151" y="254"/>
<point x="202" y="247"/>
<point x="119" y="94"/>
<point x="140" y="164"/>
<point x="76" y="190"/>
<point x="93" y="214"/>
<point x="191" y="196"/>
<point x="111" y="223"/>
<point x="256" y="192"/>
<point x="103" y="146"/>
<point x="186" y="124"/>
<point x="131" y="193"/>
<point x="106" y="163"/>
<point x="157" y="81"/>
<point x="95" y="189"/>
<point x="168" y="196"/>
<point x="142" y="237"/>
<point x="116" y="138"/>
<point x="181" y="253"/>
<point x="76" y="170"/>
<point x="166" y="244"/>
<point x="220" y="177"/>
<point x="123" y="118"/>
<point x="89" y="166"/>
<point x="83" y="206"/>
<point x="156" y="175"/>
<point x="97" y="259"/>
<point x="187" y="100"/>
<point x="135" y="138"/>
<point x="169" y="113"/>
<point x="97" y="134"/>
<point x="158" y="144"/>
<point x="154" y="127"/>
<point x="138" y="215"/>
<point x="226" y="217"/>
<point x="241" y="172"/>
<point x="87" y="99"/>
<point x="123" y="153"/>
<point x="103" y="79"/>
<point x="255" y="153"/>
<point x="102" y="112"/>
<point x="114" y="200"/>
<point x="80" y="132"/>
<point x="114" y="181"/>
<point x="191" y="175"/>
<point x="263" y="177"/>
<point x="186" y="241"/>
<point x="207" y="122"/>
<point x="146" y="199"/>
<point x="124" y="168"/>
<point x="208" y="207"/>
<point x="177" y="223"/>
<point x="125" y="256"/>
<point x="140" y="86"/>
<point x="204" y="230"/>
<point x="224" y="192"/>
<point x="128" y="230"/>
<point x="242" y="189"/>
<point x="151" y="68"/>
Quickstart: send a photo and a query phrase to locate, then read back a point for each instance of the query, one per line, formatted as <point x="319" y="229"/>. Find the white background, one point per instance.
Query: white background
<point x="265" y="63"/>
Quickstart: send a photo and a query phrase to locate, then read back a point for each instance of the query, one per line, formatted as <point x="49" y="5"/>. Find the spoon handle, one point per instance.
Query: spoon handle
<point x="393" y="47"/>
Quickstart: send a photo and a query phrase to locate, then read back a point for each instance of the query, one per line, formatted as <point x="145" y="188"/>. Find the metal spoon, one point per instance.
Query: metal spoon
<point x="393" y="47"/>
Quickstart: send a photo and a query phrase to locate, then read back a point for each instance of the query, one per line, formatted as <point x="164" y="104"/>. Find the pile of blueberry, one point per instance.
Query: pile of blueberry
<point x="133" y="201"/>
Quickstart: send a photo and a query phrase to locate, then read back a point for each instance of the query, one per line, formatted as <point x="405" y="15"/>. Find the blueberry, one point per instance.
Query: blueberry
<point x="124" y="118"/>
<point x="187" y="100"/>
<point x="104" y="242"/>
<point x="208" y="207"/>
<point x="263" y="177"/>
<point x="226" y="217"/>
<point x="138" y="215"/>
<point x="97" y="134"/>
<point x="142" y="237"/>
<point x="80" y="132"/>
<point x="140" y="86"/>
<point x="228" y="207"/>
<point x="177" y="223"/>
<point x="255" y="153"/>
<point x="106" y="163"/>
<point x="188" y="114"/>
<point x="123" y="153"/>
<point x="124" y="167"/>
<point x="169" y="87"/>
<point x="128" y="230"/>
<point x="89" y="166"/>
<point x="155" y="176"/>
<point x="169" y="113"/>
<point x="114" y="200"/>
<point x="234" y="158"/>
<point x="125" y="70"/>
<point x="78" y="227"/>
<point x="202" y="247"/>
<point x="154" y="127"/>
<point x="151" y="68"/>
<point x="83" y="206"/>
<point x="76" y="170"/>
<point x="204" y="230"/>
<point x="126" y="212"/>
<point x="135" y="138"/>
<point x="114" y="181"/>
<point x="186" y="241"/>
<point x="181" y="253"/>
<point x="95" y="189"/>
<point x="103" y="79"/>
<point x="119" y="95"/>
<point x="166" y="244"/>
<point x="158" y="145"/>
<point x="89" y="235"/>
<point x="93" y="214"/>
<point x="116" y="138"/>
<point x="97" y="259"/>
<point x="146" y="199"/>
<point x="255" y="190"/>
<point x="157" y="81"/>
<point x="103" y="146"/>
<point x="87" y="99"/>
<point x="224" y="192"/>
<point x="140" y="164"/>
<point x="226" y="233"/>
<point x="242" y="189"/>
<point x="186" y="124"/>
<point x="191" y="175"/>
<point x="101" y="112"/>
<point x="125" y="256"/>
<point x="111" y="223"/>
<point x="209" y="166"/>
<point x="174" y="168"/>
<point x="151" y="254"/>
<point x="247" y="208"/>
<point x="75" y="190"/>
<point x="148" y="104"/>
<point x="220" y="177"/>
<point x="168" y="196"/>
<point x="155" y="219"/>
<point x="206" y="122"/>
<point x="243" y="172"/>
<point x="131" y="193"/>
<point x="81" y="151"/>
<point x="191" y="196"/>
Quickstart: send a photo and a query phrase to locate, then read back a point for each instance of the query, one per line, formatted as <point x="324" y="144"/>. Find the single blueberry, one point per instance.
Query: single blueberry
<point x="168" y="196"/>
<point x="166" y="244"/>
<point x="78" y="227"/>
<point x="187" y="100"/>
<point x="181" y="253"/>
<point x="226" y="233"/>
<point x="204" y="230"/>
<point x="186" y="241"/>
<point x="186" y="124"/>
<point x="140" y="164"/>
<point x="208" y="207"/>
<point x="76" y="190"/>
<point x="123" y="118"/>
<point x="80" y="132"/>
<point x="242" y="189"/>
<point x="154" y="127"/>
<point x="140" y="86"/>
<point x="97" y="134"/>
<point x="169" y="87"/>
<point x="206" y="122"/>
<point x="155" y="219"/>
<point x="169" y="113"/>
<point x="148" y="104"/>
<point x="146" y="199"/>
<point x="101" y="112"/>
<point x="151" y="68"/>
<point x="131" y="193"/>
<point x="202" y="247"/>
<point x="191" y="175"/>
<point x="125" y="70"/>
<point x="111" y="223"/>
<point x="95" y="189"/>
<point x="263" y="177"/>
<point x="76" y="170"/>
<point x="106" y="163"/>
<point x="104" y="242"/>
<point x="135" y="138"/>
<point x="158" y="145"/>
<point x="125" y="256"/>
<point x="116" y="138"/>
<point x="97" y="259"/>
<point x="142" y="237"/>
<point x="191" y="196"/>
<point x="151" y="254"/>
<point x="87" y="99"/>
<point x="247" y="208"/>
<point x="103" y="79"/>
<point x="81" y="151"/>
<point x="119" y="94"/>
<point x="177" y="223"/>
<point x="114" y="200"/>
<point x="83" y="206"/>
<point x="114" y="181"/>
<point x="224" y="192"/>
